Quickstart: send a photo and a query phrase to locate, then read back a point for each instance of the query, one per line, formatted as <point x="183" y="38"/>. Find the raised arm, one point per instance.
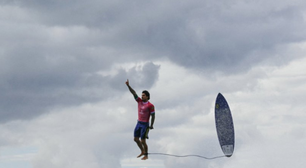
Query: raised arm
<point x="131" y="89"/>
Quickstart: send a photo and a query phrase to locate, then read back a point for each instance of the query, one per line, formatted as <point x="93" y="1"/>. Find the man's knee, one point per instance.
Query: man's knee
<point x="136" y="139"/>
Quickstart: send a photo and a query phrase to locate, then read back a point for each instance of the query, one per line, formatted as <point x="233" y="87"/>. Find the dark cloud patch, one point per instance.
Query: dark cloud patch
<point x="147" y="78"/>
<point x="29" y="94"/>
<point x="224" y="38"/>
<point x="74" y="12"/>
<point x="208" y="35"/>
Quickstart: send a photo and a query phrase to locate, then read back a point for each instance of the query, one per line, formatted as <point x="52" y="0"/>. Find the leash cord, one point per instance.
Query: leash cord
<point x="203" y="157"/>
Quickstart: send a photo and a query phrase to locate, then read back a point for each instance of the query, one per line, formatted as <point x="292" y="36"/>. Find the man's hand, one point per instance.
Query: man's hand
<point x="131" y="90"/>
<point x="151" y="127"/>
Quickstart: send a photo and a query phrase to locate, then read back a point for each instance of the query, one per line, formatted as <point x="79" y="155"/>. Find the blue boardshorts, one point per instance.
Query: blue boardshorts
<point x="142" y="130"/>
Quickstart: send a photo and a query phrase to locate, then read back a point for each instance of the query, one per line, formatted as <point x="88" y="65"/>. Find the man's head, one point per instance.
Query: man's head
<point x="145" y="96"/>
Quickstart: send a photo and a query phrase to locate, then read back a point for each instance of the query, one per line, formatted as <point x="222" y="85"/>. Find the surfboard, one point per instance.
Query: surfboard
<point x="224" y="125"/>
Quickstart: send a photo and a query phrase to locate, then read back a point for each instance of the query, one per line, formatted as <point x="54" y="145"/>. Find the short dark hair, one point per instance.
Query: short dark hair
<point x="146" y="93"/>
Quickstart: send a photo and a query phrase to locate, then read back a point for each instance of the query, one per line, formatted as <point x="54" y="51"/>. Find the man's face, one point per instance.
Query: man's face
<point x="144" y="97"/>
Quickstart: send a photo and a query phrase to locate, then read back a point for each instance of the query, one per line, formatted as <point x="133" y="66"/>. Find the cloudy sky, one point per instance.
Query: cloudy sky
<point x="64" y="63"/>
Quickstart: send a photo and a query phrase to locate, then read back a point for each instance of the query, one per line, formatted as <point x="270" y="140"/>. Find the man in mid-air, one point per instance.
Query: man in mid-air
<point x="145" y="110"/>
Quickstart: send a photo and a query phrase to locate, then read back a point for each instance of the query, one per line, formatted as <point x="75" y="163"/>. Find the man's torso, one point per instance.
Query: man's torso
<point x="145" y="109"/>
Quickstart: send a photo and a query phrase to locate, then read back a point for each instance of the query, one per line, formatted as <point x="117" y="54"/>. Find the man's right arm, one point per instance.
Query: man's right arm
<point x="131" y="89"/>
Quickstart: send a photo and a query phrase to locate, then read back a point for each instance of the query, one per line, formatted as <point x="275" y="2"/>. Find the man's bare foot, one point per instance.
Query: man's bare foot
<point x="145" y="157"/>
<point x="140" y="155"/>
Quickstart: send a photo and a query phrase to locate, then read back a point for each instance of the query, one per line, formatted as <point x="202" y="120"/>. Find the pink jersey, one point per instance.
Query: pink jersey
<point x="145" y="109"/>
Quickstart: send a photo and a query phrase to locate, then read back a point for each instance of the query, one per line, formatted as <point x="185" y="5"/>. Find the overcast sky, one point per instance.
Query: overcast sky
<point x="64" y="63"/>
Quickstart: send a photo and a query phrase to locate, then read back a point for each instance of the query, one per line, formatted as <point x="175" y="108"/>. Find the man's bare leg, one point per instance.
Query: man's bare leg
<point x="145" y="149"/>
<point x="136" y="139"/>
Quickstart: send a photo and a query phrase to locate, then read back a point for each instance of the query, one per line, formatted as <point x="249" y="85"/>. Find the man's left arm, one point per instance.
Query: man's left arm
<point x="152" y="120"/>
